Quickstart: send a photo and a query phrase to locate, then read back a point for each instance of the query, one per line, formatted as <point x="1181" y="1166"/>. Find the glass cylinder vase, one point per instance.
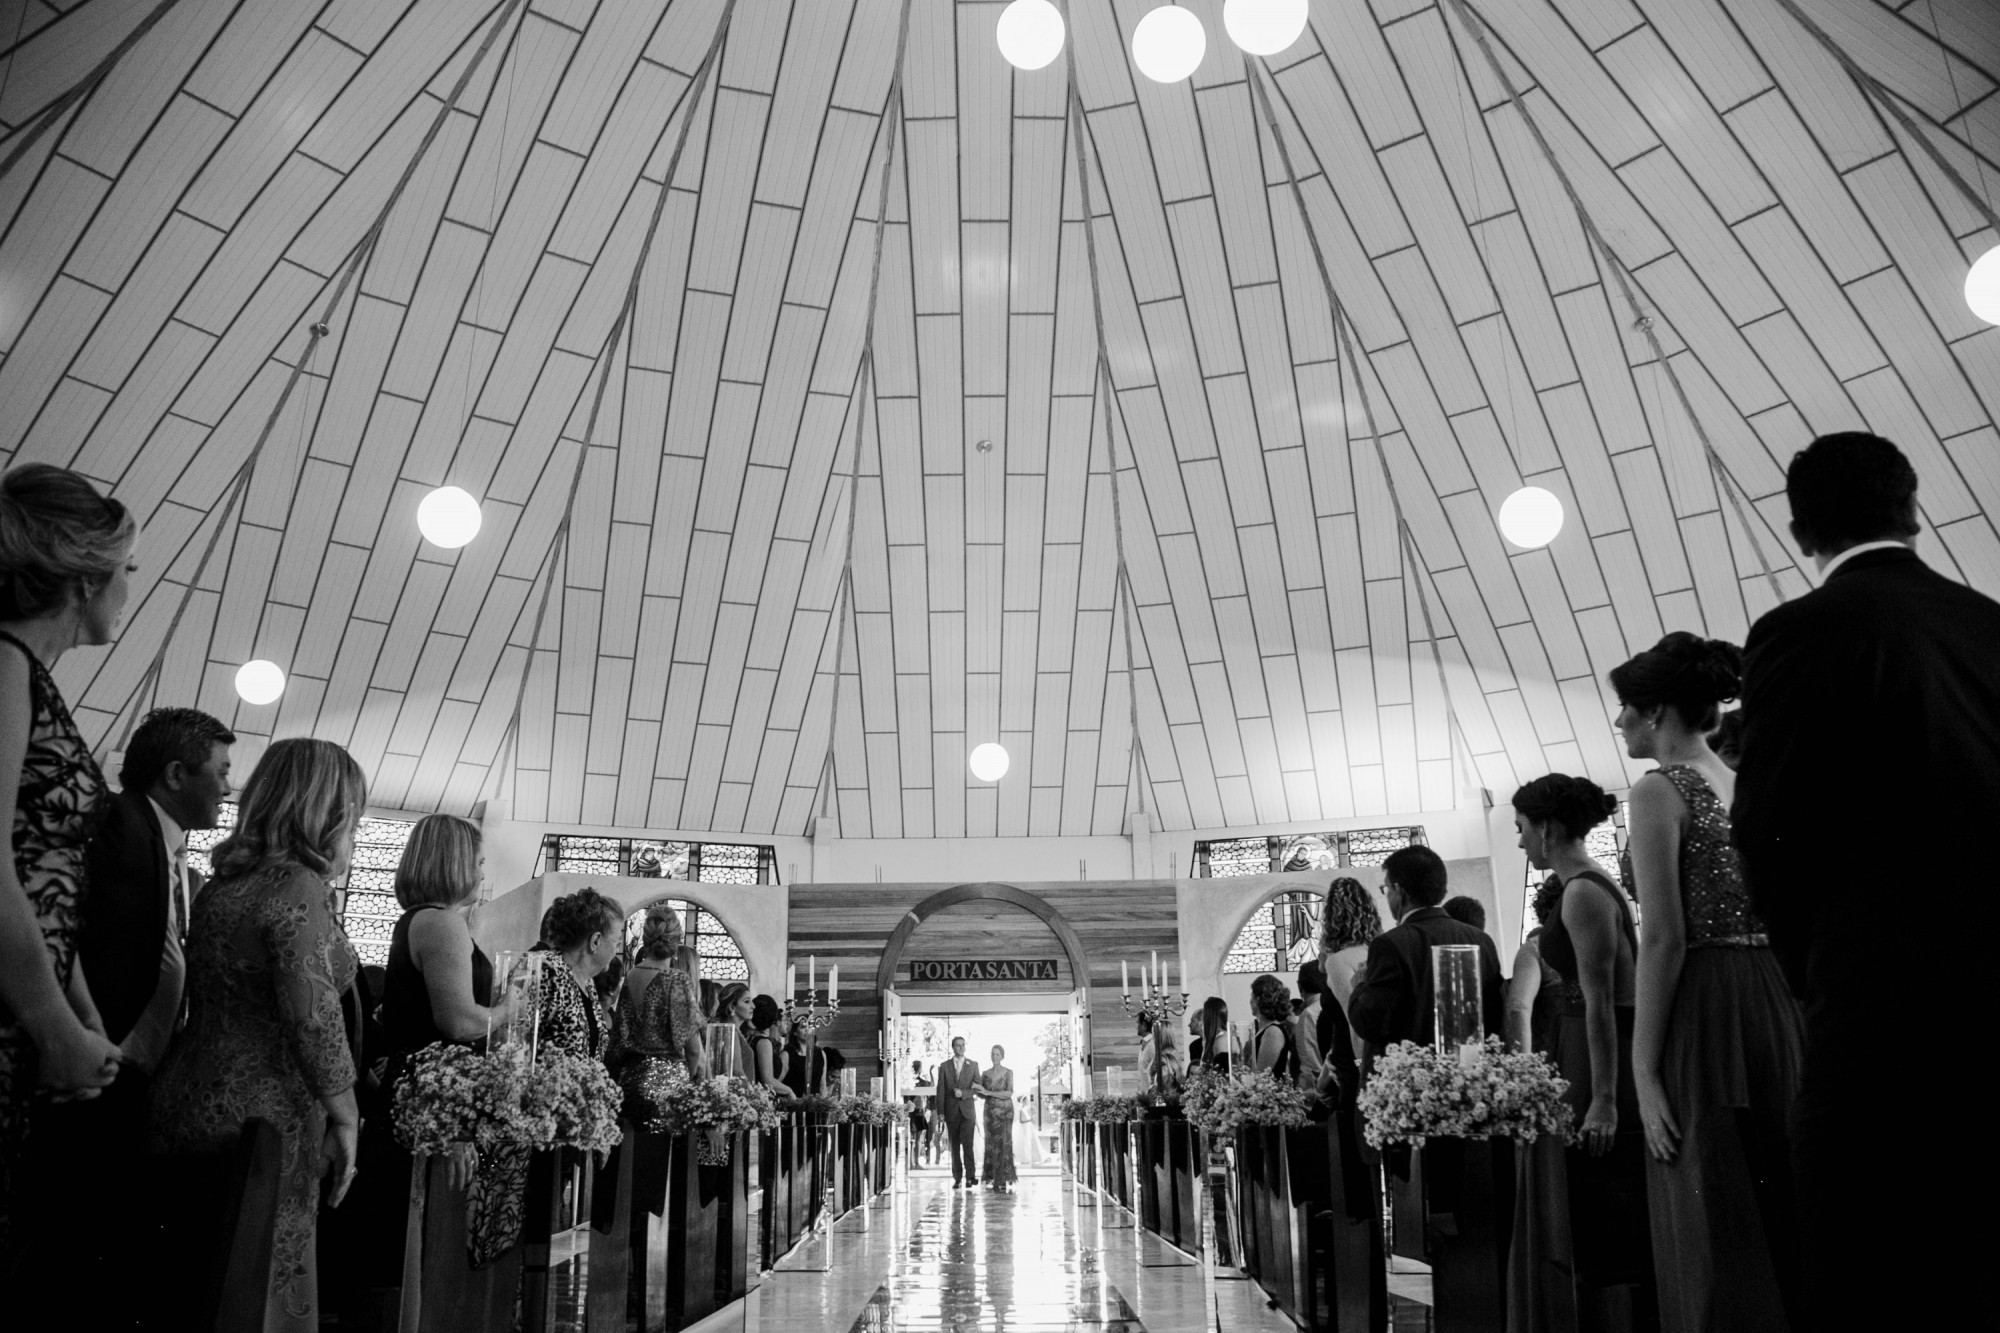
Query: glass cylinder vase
<point x="517" y="994"/>
<point x="1455" y="974"/>
<point x="725" y="1045"/>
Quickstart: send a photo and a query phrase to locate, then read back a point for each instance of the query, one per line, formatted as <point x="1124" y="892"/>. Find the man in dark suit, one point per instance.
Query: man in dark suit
<point x="134" y="921"/>
<point x="959" y="1107"/>
<point x="1395" y="996"/>
<point x="1871" y="716"/>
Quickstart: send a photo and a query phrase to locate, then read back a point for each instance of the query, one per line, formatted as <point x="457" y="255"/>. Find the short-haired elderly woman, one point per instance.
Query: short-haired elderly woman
<point x="265" y="1040"/>
<point x="65" y="555"/>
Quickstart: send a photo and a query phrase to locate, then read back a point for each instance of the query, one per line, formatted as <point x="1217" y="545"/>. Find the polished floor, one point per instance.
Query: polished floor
<point x="928" y="1257"/>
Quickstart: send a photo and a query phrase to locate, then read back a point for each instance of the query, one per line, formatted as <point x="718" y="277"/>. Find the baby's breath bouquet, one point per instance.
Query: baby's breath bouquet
<point x="714" y="1109"/>
<point x="1217" y="1104"/>
<point x="454" y="1095"/>
<point x="1111" y="1110"/>
<point x="1418" y="1092"/>
<point x="813" y="1104"/>
<point x="578" y="1100"/>
<point x="867" y="1111"/>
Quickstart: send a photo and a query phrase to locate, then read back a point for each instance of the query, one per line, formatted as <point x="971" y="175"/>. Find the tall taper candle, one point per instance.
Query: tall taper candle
<point x="791" y="981"/>
<point x="1124" y="977"/>
<point x="812" y="971"/>
<point x="832" y="980"/>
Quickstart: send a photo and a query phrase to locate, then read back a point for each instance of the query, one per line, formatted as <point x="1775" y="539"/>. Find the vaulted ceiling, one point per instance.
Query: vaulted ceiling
<point x="1636" y="252"/>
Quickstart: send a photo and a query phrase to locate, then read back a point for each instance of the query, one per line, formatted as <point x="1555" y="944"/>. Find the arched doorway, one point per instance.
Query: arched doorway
<point x="892" y="953"/>
<point x="721" y="957"/>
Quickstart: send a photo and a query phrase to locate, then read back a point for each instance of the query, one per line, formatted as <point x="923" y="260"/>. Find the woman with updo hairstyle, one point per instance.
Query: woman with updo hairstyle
<point x="1591" y="937"/>
<point x="1273" y="1040"/>
<point x="1718" y="1043"/>
<point x="65" y="557"/>
<point x="657" y="1026"/>
<point x="1349" y="921"/>
<point x="766" y="1034"/>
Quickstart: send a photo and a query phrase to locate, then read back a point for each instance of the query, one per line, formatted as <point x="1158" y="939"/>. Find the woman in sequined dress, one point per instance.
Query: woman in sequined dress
<point x="996" y="1089"/>
<point x="1719" y="1041"/>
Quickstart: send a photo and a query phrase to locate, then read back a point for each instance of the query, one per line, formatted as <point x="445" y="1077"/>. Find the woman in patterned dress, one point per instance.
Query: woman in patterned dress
<point x="265" y="1039"/>
<point x="65" y="554"/>
<point x="1718" y="1043"/>
<point x="996" y="1088"/>
<point x="656" y="1028"/>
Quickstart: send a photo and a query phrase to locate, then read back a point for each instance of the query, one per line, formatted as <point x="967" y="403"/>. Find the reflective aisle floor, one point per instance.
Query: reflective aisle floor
<point x="971" y="1261"/>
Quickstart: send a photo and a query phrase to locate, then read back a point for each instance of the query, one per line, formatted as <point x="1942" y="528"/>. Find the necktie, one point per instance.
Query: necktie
<point x="177" y="892"/>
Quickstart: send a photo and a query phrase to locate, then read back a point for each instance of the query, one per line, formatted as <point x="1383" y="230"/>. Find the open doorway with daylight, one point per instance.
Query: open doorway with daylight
<point x="1039" y="1044"/>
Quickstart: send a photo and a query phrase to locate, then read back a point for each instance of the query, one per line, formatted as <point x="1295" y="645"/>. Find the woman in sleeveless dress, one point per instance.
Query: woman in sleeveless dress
<point x="65" y="557"/>
<point x="265" y="1037"/>
<point x="1719" y="1041"/>
<point x="1540" y="1298"/>
<point x="766" y="1033"/>
<point x="656" y="1038"/>
<point x="1273" y="1040"/>
<point x="1592" y="939"/>
<point x="995" y="1087"/>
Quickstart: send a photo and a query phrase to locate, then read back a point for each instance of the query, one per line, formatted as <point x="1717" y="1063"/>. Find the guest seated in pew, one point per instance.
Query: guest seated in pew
<point x="766" y="1032"/>
<point x="65" y="554"/>
<point x="267" y="962"/>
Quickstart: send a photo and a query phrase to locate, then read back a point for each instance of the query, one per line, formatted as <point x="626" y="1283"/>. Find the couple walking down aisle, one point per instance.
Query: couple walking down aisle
<point x="961" y="1086"/>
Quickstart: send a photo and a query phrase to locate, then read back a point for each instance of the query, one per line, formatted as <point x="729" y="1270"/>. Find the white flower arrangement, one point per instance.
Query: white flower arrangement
<point x="1218" y="1104"/>
<point x="1418" y="1092"/>
<point x="453" y="1096"/>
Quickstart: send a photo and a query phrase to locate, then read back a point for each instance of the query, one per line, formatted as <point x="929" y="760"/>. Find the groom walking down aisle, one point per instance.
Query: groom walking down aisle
<point x="959" y="1105"/>
<point x="1871" y="713"/>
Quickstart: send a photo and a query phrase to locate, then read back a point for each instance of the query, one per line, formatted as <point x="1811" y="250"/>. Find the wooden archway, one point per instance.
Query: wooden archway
<point x="892" y="953"/>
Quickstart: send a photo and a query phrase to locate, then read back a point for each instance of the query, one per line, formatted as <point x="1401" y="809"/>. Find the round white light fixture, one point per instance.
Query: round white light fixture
<point x="1982" y="286"/>
<point x="1531" y="517"/>
<point x="1264" y="27"/>
<point x="259" y="682"/>
<point x="1168" y="43"/>
<point x="1030" y="33"/>
<point x="448" y="517"/>
<point x="988" y="762"/>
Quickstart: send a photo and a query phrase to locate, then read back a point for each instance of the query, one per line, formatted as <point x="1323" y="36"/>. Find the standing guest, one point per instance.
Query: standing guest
<point x="995" y="1086"/>
<point x="1312" y="988"/>
<point x="1727" y="739"/>
<point x="1463" y="907"/>
<point x="1872" y="702"/>
<point x="1541" y="1298"/>
<point x="1395" y="997"/>
<point x="734" y="1006"/>
<point x="1348" y="924"/>
<point x="802" y="1063"/>
<point x="1718" y="1040"/>
<point x="1593" y="939"/>
<point x="266" y="965"/>
<point x="656" y="1022"/>
<point x="766" y="1033"/>
<point x="956" y="1078"/>
<point x="65" y="558"/>
<point x="1211" y="1048"/>
<point x="1274" y="1039"/>
<point x="1165" y="1066"/>
<point x="920" y="1120"/>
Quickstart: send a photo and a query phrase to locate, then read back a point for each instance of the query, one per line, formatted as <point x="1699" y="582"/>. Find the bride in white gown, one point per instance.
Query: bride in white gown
<point x="1029" y="1150"/>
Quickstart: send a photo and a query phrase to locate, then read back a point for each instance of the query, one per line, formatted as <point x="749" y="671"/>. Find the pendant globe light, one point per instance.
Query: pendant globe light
<point x="988" y="762"/>
<point x="1030" y="33"/>
<point x="448" y="517"/>
<point x="1531" y="517"/>
<point x="1264" y="27"/>
<point x="1982" y="286"/>
<point x="259" y="682"/>
<point x="1168" y="44"/>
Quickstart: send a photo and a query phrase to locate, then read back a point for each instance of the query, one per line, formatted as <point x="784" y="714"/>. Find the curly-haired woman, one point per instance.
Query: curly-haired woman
<point x="1274" y="1040"/>
<point x="1347" y="923"/>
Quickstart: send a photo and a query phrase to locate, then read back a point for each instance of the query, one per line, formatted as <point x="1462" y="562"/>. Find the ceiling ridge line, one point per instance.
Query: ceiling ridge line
<point x="39" y="122"/>
<point x="1343" y="328"/>
<point x="1476" y="25"/>
<point x="357" y="261"/>
<point x="607" y="356"/>
<point x="1139" y="773"/>
<point x="864" y="386"/>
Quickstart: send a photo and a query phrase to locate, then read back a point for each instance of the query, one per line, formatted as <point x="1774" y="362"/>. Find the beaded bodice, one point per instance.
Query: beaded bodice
<point x="1714" y="902"/>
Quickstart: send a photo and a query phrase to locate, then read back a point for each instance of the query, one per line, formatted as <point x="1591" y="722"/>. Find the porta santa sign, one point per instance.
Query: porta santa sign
<point x="984" y="969"/>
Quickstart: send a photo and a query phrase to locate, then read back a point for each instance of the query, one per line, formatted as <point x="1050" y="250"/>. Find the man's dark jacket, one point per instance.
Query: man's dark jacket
<point x="1395" y="997"/>
<point x="125" y="910"/>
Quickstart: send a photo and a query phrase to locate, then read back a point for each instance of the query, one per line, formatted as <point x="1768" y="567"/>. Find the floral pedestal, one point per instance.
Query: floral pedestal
<point x="708" y="1215"/>
<point x="1276" y="1181"/>
<point x="442" y="1291"/>
<point x="1468" y="1216"/>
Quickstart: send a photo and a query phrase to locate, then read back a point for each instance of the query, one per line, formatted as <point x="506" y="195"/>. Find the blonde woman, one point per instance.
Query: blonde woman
<point x="266" y="964"/>
<point x="658" y="1021"/>
<point x="438" y="979"/>
<point x="65" y="556"/>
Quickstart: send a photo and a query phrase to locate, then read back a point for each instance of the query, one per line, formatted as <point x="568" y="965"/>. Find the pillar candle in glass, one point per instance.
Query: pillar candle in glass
<point x="1455" y="968"/>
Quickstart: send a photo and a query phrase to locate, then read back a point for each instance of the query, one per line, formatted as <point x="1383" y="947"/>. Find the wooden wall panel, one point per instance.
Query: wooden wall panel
<point x="850" y="924"/>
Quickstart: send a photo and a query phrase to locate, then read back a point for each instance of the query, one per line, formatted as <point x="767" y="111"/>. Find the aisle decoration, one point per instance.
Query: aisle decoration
<point x="716" y="1109"/>
<point x="453" y="1095"/>
<point x="1217" y="1104"/>
<point x="867" y="1111"/>
<point x="577" y="1099"/>
<point x="1099" y="1110"/>
<point x="1479" y="1092"/>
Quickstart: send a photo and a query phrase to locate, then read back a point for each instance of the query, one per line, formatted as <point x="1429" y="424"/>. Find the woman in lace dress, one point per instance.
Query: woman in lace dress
<point x="65" y="554"/>
<point x="1719" y="1040"/>
<point x="995" y="1087"/>
<point x="265" y="1040"/>
<point x="657" y="1028"/>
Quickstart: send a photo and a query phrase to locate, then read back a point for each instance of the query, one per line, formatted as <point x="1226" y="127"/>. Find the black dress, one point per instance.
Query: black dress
<point x="1610" y="1229"/>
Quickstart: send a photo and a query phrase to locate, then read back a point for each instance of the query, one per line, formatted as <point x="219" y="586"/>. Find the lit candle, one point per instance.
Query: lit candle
<point x="1124" y="977"/>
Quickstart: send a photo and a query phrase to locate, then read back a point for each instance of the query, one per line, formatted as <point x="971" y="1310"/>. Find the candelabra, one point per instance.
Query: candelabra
<point x="1156" y="1004"/>
<point x="810" y="1016"/>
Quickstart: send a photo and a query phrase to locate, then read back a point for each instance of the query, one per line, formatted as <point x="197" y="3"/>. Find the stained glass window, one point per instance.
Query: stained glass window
<point x="652" y="858"/>
<point x="1280" y="936"/>
<point x="1222" y="857"/>
<point x="721" y="958"/>
<point x="369" y="909"/>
